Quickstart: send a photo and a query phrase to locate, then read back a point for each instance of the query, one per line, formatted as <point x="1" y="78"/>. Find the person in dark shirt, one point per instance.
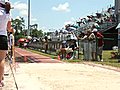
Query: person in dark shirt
<point x="73" y="45"/>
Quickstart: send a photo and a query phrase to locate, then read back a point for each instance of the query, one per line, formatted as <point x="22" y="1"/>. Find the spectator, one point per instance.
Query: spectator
<point x="100" y="43"/>
<point x="64" y="44"/>
<point x="92" y="41"/>
<point x="25" y="44"/>
<point x="87" y="46"/>
<point x="46" y="44"/>
<point x="62" y="51"/>
<point x="81" y="43"/>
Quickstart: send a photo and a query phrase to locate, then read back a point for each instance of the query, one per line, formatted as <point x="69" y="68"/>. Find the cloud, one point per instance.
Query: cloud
<point x="62" y="7"/>
<point x="22" y="10"/>
<point x="23" y="13"/>
<point x="21" y="7"/>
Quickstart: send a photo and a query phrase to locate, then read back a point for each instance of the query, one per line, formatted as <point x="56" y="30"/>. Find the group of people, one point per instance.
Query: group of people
<point x="91" y="42"/>
<point x="100" y="18"/>
<point x="68" y="49"/>
<point x="5" y="27"/>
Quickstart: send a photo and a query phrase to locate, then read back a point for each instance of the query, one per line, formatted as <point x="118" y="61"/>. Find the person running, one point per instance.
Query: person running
<point x="5" y="24"/>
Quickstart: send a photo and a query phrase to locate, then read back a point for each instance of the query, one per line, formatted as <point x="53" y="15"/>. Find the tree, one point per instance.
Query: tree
<point x="18" y="25"/>
<point x="37" y="33"/>
<point x="34" y="32"/>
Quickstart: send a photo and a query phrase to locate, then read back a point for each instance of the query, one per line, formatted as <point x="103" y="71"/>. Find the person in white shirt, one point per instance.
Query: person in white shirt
<point x="5" y="24"/>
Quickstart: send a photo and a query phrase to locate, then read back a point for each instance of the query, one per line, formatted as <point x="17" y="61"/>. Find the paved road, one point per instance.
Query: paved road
<point x="63" y="76"/>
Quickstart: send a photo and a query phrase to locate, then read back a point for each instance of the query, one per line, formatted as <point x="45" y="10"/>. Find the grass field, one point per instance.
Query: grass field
<point x="106" y="57"/>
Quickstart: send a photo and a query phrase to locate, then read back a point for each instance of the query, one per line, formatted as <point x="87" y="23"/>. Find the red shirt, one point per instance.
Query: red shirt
<point x="100" y="39"/>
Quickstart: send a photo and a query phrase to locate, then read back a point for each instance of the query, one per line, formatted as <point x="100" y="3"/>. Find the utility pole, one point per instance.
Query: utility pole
<point x="117" y="13"/>
<point x="28" y="32"/>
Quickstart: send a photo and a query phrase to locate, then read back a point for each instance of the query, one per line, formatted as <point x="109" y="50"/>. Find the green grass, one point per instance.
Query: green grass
<point x="106" y="58"/>
<point x="41" y="53"/>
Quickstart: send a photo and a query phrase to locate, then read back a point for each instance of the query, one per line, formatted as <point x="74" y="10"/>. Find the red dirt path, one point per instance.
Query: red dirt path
<point x="33" y="57"/>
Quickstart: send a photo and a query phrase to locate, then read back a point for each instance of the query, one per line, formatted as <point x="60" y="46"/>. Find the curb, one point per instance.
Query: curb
<point x="102" y="66"/>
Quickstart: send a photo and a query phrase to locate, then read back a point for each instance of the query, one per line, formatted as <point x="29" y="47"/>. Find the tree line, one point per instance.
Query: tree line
<point x="20" y="31"/>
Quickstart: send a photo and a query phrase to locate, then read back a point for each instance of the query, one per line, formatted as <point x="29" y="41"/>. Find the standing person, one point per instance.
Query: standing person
<point x="92" y="41"/>
<point x="99" y="43"/>
<point x="46" y="44"/>
<point x="87" y="46"/>
<point x="81" y="44"/>
<point x="5" y="25"/>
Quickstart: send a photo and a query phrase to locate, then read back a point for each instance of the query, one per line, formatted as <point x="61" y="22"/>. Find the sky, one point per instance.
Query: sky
<point x="53" y="15"/>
